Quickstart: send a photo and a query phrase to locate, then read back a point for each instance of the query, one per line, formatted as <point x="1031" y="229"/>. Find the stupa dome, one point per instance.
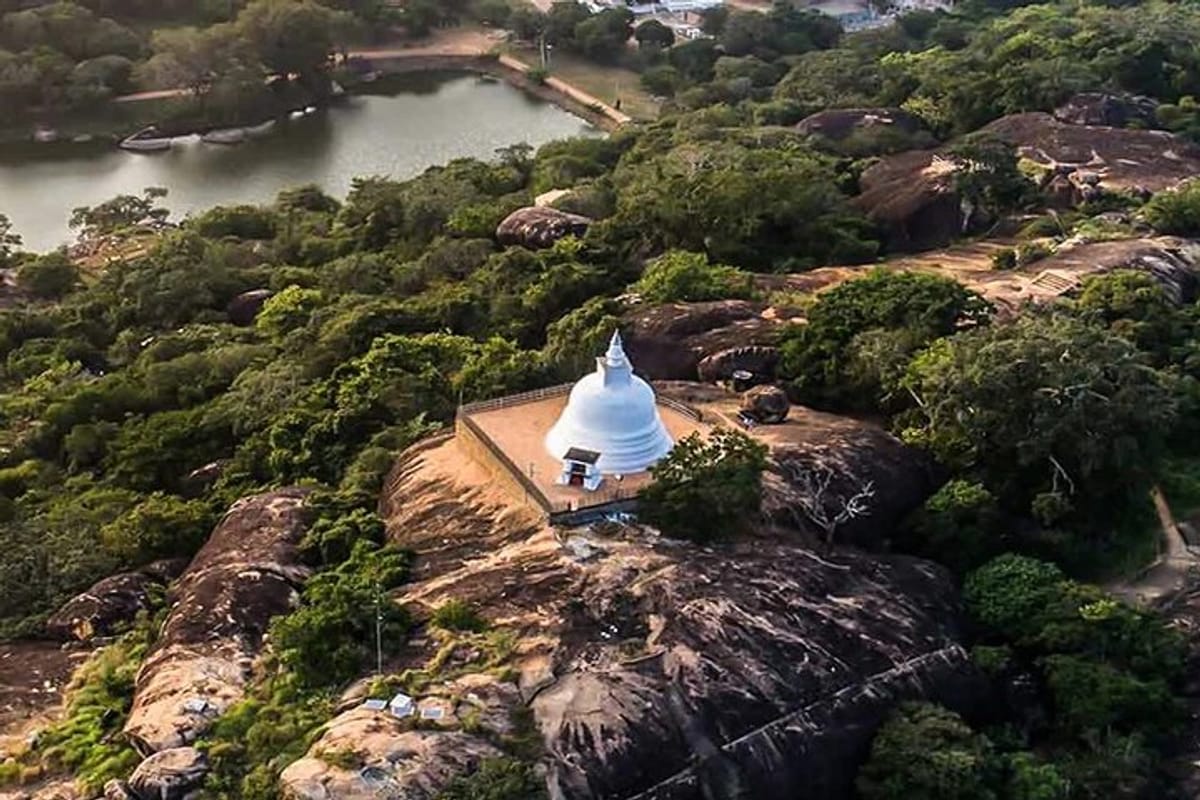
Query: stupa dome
<point x="612" y="412"/>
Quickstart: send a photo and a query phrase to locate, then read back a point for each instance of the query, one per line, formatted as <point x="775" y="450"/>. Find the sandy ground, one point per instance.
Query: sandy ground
<point x="520" y="430"/>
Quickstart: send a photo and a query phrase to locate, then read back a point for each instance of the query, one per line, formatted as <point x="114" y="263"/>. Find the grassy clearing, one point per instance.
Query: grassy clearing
<point x="608" y="83"/>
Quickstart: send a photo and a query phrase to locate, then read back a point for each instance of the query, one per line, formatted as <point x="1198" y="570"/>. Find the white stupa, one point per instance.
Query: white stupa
<point x="611" y="412"/>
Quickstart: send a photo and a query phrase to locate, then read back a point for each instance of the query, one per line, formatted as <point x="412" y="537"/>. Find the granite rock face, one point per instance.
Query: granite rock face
<point x="169" y="774"/>
<point x="392" y="760"/>
<point x="875" y="129"/>
<point x="672" y="341"/>
<point x="767" y="404"/>
<point x="248" y="572"/>
<point x="112" y="602"/>
<point x="538" y="227"/>
<point x="1110" y="110"/>
<point x="662" y="669"/>
<point x="245" y="307"/>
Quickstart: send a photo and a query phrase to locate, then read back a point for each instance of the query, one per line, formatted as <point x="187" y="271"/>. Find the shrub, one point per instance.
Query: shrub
<point x="161" y="526"/>
<point x="458" y="615"/>
<point x="496" y="779"/>
<point x="925" y="752"/>
<point x="537" y="75"/>
<point x="1177" y="211"/>
<point x="48" y="277"/>
<point x="706" y="488"/>
<point x="1008" y="593"/>
<point x="682" y="277"/>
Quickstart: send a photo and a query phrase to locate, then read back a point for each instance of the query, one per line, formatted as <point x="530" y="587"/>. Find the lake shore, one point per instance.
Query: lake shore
<point x="173" y="112"/>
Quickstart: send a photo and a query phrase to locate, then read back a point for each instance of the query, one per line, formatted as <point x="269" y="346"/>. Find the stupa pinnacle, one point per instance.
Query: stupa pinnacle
<point x="612" y="412"/>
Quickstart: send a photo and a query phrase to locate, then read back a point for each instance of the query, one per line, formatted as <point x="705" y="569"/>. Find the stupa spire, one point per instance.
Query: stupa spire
<point x="614" y="364"/>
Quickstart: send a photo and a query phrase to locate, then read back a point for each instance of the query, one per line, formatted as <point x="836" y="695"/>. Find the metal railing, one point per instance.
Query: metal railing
<point x="681" y="407"/>
<point x="515" y="399"/>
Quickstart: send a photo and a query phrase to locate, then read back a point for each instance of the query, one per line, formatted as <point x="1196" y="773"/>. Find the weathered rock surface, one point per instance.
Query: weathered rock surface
<point x="838" y="124"/>
<point x="245" y="307"/>
<point x="1111" y="110"/>
<point x="392" y="760"/>
<point x="1113" y="159"/>
<point x="659" y="669"/>
<point x="169" y="774"/>
<point x="111" y="603"/>
<point x="669" y="342"/>
<point x="247" y="572"/>
<point x="757" y="359"/>
<point x="536" y="227"/>
<point x="768" y="404"/>
<point x="912" y="197"/>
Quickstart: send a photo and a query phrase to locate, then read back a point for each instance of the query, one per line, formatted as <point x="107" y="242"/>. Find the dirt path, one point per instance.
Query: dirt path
<point x="32" y="678"/>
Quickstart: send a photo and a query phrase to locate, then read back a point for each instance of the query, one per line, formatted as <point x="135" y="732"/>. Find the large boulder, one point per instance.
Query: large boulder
<point x="537" y="227"/>
<point x="912" y="197"/>
<point x="1109" y="110"/>
<point x="666" y="670"/>
<point x="1112" y="159"/>
<point x="882" y="129"/>
<point x="671" y="341"/>
<point x="112" y="603"/>
<point x="243" y="309"/>
<point x="248" y="572"/>
<point x="767" y="404"/>
<point x="172" y="774"/>
<point x="757" y="359"/>
<point x="389" y="760"/>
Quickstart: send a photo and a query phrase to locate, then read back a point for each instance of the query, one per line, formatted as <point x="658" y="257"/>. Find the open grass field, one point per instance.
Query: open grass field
<point x="608" y="83"/>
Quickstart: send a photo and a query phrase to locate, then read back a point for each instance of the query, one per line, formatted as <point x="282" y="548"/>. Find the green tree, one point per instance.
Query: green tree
<point x="1054" y="415"/>
<point x="603" y="36"/>
<point x="706" y="488"/>
<point x="293" y="36"/>
<point x="925" y="752"/>
<point x="10" y="242"/>
<point x="678" y="276"/>
<point x="123" y="211"/>
<point x="48" y="277"/>
<point x="826" y="358"/>
<point x="987" y="175"/>
<point x="161" y="526"/>
<point x="959" y="526"/>
<point x="652" y="34"/>
<point x="1008" y="594"/>
<point x="287" y="311"/>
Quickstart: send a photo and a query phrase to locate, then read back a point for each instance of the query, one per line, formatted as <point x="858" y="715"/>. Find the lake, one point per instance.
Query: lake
<point x="430" y="119"/>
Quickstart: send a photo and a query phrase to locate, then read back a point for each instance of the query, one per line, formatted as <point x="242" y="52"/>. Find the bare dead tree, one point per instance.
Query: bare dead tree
<point x="820" y="504"/>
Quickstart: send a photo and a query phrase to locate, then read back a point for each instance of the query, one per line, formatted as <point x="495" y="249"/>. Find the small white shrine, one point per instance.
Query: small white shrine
<point x="610" y="425"/>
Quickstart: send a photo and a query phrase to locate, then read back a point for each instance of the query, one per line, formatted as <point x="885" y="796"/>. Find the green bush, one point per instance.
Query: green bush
<point x="1176" y="211"/>
<point x="161" y="526"/>
<point x="924" y="752"/>
<point x="496" y="779"/>
<point x="458" y="615"/>
<point x="682" y="277"/>
<point x="48" y="277"/>
<point x="705" y="488"/>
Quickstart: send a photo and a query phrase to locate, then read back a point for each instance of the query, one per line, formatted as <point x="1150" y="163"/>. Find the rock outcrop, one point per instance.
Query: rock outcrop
<point x="1110" y="110"/>
<point x="389" y="759"/>
<point x="669" y="342"/>
<point x="245" y="307"/>
<point x="172" y="774"/>
<point x="537" y="227"/>
<point x="662" y="669"/>
<point x="889" y="128"/>
<point x="768" y="404"/>
<point x="757" y="359"/>
<point x="1113" y="159"/>
<point x="112" y="603"/>
<point x="247" y="572"/>
<point x="912" y="197"/>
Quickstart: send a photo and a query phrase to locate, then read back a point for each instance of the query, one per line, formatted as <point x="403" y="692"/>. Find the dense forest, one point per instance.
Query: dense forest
<point x="134" y="411"/>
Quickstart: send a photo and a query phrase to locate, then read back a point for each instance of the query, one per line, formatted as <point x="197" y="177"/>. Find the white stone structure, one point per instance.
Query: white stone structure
<point x="612" y="412"/>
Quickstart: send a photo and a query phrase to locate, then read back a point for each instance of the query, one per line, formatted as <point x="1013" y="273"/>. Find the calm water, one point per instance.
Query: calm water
<point x="433" y="119"/>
